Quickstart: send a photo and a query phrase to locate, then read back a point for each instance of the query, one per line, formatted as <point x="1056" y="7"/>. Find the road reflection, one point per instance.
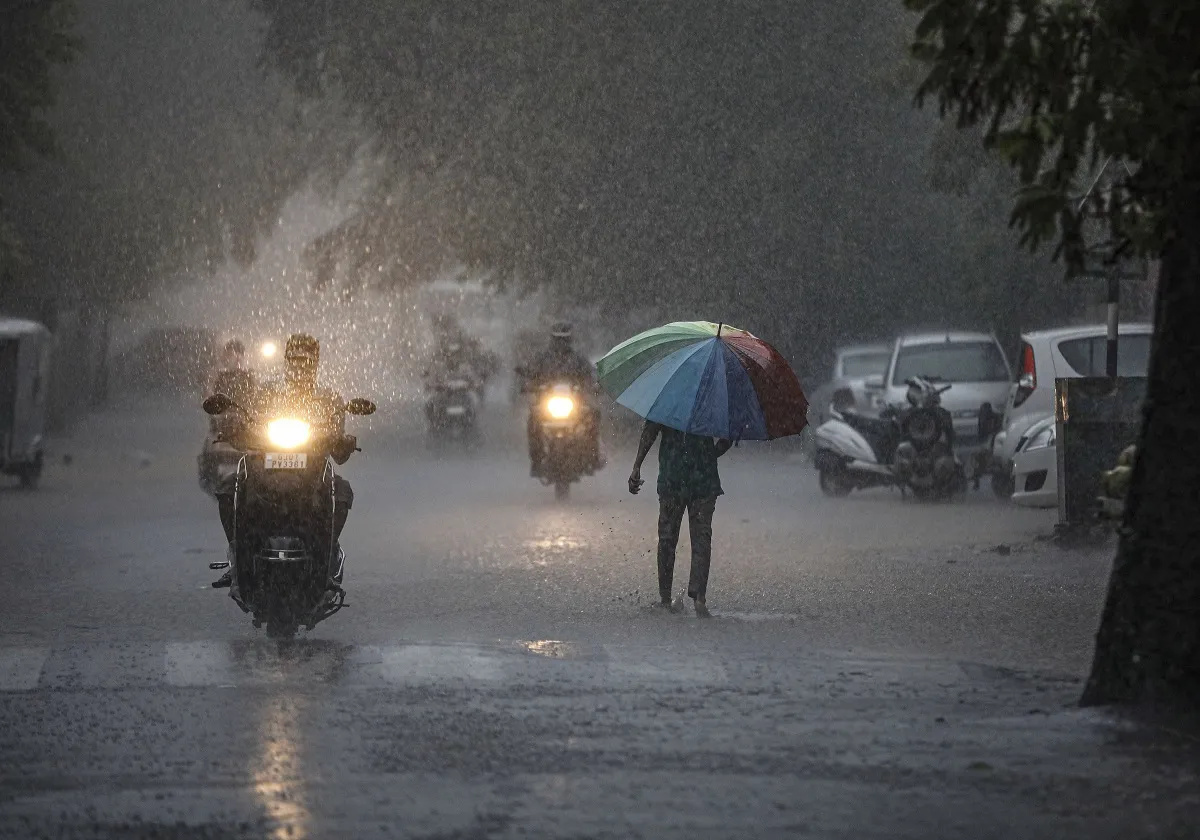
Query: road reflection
<point x="277" y="770"/>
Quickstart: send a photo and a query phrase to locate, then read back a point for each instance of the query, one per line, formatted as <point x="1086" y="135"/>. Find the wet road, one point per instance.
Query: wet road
<point x="874" y="668"/>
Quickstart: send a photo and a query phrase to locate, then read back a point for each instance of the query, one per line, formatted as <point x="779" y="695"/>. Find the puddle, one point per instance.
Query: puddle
<point x="757" y="617"/>
<point x="553" y="649"/>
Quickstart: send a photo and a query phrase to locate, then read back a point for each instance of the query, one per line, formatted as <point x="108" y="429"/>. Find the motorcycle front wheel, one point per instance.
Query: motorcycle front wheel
<point x="562" y="490"/>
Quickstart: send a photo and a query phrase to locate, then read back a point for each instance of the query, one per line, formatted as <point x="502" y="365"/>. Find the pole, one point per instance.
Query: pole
<point x="1114" y="296"/>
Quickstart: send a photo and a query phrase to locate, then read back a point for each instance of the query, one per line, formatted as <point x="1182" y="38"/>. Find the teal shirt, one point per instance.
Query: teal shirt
<point x="687" y="466"/>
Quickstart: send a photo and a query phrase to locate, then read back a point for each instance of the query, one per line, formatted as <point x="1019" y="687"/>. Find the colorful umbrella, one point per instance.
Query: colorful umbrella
<point x="706" y="379"/>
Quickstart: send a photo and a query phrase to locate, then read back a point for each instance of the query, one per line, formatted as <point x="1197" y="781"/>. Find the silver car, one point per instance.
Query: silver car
<point x="972" y="362"/>
<point x="852" y="366"/>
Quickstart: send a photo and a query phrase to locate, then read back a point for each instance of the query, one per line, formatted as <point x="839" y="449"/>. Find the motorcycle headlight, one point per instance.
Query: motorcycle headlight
<point x="1043" y="439"/>
<point x="287" y="433"/>
<point x="560" y="408"/>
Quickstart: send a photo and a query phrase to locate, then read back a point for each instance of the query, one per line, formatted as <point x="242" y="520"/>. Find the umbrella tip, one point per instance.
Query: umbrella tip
<point x="719" y="326"/>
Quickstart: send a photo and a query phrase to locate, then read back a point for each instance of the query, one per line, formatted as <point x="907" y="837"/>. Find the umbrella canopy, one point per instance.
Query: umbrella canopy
<point x="706" y="379"/>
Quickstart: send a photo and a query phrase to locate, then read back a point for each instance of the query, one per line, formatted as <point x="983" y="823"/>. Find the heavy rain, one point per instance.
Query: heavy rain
<point x="529" y="419"/>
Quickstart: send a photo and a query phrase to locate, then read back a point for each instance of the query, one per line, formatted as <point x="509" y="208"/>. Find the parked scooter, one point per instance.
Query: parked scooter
<point x="910" y="447"/>
<point x="853" y="452"/>
<point x="925" y="461"/>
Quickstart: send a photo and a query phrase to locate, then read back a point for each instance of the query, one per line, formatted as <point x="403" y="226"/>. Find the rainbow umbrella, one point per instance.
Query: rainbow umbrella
<point x="706" y="379"/>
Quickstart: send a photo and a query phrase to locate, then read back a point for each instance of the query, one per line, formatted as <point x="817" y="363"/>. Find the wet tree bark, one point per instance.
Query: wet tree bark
<point x="1148" y="644"/>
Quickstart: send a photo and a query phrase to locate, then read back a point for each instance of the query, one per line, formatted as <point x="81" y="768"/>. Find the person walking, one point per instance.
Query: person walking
<point x="688" y="481"/>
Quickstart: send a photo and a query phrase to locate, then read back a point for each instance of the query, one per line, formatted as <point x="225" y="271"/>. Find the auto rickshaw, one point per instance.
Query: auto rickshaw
<point x="24" y="390"/>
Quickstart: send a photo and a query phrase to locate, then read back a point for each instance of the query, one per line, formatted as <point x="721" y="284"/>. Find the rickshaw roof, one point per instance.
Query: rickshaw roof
<point x="18" y="327"/>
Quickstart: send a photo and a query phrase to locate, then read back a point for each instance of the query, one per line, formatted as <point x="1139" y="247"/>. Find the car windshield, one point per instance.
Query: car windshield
<point x="859" y="365"/>
<point x="959" y="361"/>
<point x="1089" y="356"/>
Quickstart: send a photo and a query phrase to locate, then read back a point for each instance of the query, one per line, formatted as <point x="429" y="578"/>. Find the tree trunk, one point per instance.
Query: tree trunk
<point x="1148" y="644"/>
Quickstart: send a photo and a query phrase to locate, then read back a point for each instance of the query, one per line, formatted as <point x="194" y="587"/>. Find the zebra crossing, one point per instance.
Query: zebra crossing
<point x="249" y="663"/>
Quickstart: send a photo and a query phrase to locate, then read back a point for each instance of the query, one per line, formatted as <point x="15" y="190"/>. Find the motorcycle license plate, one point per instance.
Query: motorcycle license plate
<point x="286" y="460"/>
<point x="455" y="411"/>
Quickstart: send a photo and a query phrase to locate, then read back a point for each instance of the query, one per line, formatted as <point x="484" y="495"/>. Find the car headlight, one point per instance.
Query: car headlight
<point x="1041" y="440"/>
<point x="560" y="408"/>
<point x="287" y="433"/>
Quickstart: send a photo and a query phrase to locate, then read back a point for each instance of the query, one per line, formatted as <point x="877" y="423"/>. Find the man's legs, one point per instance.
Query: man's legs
<point x="224" y="495"/>
<point x="343" y="496"/>
<point x="700" y="514"/>
<point x="670" y="518"/>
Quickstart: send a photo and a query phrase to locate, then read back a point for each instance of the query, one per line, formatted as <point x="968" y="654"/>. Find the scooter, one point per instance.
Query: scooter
<point x="285" y="559"/>
<point x="911" y="447"/>
<point x="925" y="461"/>
<point x="566" y="425"/>
<point x="853" y="452"/>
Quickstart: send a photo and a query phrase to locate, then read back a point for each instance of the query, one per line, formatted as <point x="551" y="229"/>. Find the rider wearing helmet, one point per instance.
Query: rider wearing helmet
<point x="560" y="362"/>
<point x="299" y="391"/>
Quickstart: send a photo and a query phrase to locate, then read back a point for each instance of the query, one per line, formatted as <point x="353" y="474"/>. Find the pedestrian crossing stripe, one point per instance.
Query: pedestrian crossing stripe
<point x="246" y="663"/>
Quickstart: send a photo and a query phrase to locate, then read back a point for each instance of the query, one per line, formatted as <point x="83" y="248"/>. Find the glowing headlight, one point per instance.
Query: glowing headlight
<point x="560" y="408"/>
<point x="287" y="433"/>
<point x="269" y="349"/>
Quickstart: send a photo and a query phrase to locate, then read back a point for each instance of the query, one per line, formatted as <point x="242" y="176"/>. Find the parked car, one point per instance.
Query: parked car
<point x="1064" y="353"/>
<point x="851" y="367"/>
<point x="973" y="362"/>
<point x="1035" y="465"/>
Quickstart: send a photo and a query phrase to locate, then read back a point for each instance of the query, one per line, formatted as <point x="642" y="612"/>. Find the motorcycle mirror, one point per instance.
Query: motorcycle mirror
<point x="360" y="407"/>
<point x="217" y="404"/>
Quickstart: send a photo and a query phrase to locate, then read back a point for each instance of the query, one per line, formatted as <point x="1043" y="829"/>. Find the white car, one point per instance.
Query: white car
<point x="1065" y="353"/>
<point x="1035" y="466"/>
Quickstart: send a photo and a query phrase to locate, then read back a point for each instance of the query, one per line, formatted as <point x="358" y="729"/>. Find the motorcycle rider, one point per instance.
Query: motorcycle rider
<point x="455" y="348"/>
<point x="299" y="387"/>
<point x="560" y="362"/>
<point x="450" y="363"/>
<point x="231" y="376"/>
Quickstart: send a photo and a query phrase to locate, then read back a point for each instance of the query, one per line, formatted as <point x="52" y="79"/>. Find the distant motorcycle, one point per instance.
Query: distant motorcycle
<point x="567" y="437"/>
<point x="285" y="559"/>
<point x="910" y="447"/>
<point x="451" y="409"/>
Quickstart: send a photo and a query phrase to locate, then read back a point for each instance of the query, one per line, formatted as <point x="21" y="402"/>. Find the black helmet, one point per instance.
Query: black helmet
<point x="235" y="347"/>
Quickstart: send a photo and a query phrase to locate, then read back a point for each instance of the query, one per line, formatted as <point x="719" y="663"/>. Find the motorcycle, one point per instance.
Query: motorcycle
<point x="567" y="437"/>
<point x="450" y="409"/>
<point x="286" y="561"/>
<point x="911" y="447"/>
<point x="925" y="461"/>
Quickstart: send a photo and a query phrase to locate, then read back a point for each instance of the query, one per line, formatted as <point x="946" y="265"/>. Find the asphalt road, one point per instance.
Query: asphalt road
<point x="875" y="668"/>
